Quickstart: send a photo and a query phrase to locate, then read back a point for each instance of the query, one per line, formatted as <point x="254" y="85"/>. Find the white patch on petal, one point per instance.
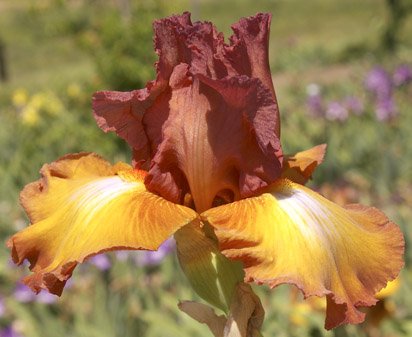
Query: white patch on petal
<point x="93" y="196"/>
<point x="314" y="219"/>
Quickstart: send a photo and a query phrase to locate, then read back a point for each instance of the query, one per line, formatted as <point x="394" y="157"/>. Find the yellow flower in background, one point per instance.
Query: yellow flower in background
<point x="300" y="314"/>
<point x="38" y="100"/>
<point x="47" y="102"/>
<point x="30" y="116"/>
<point x="52" y="105"/>
<point x="384" y="309"/>
<point x="19" y="97"/>
<point x="391" y="288"/>
<point x="32" y="108"/>
<point x="74" y="90"/>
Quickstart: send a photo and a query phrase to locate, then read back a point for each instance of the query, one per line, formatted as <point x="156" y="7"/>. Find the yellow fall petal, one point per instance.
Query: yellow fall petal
<point x="290" y="234"/>
<point x="83" y="206"/>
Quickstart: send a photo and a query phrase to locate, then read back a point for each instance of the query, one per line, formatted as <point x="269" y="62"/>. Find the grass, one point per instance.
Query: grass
<point x="304" y="35"/>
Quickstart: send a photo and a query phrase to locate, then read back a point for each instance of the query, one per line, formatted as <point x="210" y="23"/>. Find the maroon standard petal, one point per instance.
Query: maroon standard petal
<point x="248" y="52"/>
<point x="209" y="123"/>
<point x="219" y="141"/>
<point x="122" y="112"/>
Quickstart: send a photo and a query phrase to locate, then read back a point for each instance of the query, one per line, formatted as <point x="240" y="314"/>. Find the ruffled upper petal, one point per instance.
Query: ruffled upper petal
<point x="83" y="206"/>
<point x="122" y="112"/>
<point x="290" y="234"/>
<point x="300" y="166"/>
<point x="202" y="87"/>
<point x="248" y="52"/>
<point x="202" y="47"/>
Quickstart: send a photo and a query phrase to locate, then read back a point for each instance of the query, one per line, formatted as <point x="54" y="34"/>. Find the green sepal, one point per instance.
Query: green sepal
<point x="212" y="276"/>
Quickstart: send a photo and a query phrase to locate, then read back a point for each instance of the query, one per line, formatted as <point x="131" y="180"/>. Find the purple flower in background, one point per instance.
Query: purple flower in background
<point x="314" y="101"/>
<point x="386" y="109"/>
<point x="24" y="294"/>
<point x="379" y="82"/>
<point x="122" y="255"/>
<point x="2" y="307"/>
<point x="354" y="105"/>
<point x="402" y="75"/>
<point x="148" y="258"/>
<point x="336" y="112"/>
<point x="101" y="262"/>
<point x="315" y="106"/>
<point x="9" y="332"/>
<point x="12" y="265"/>
<point x="46" y="298"/>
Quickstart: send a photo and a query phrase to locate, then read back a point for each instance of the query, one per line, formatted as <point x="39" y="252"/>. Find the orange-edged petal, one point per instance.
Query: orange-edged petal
<point x="83" y="206"/>
<point x="300" y="167"/>
<point x="290" y="234"/>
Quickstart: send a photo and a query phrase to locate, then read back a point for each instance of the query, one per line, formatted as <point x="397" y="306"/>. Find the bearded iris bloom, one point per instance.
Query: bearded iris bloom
<point x="205" y="136"/>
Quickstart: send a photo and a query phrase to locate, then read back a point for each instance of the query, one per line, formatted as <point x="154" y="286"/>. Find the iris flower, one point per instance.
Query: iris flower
<point x="205" y="136"/>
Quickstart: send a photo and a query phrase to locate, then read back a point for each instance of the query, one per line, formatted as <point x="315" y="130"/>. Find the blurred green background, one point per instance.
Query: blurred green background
<point x="342" y="72"/>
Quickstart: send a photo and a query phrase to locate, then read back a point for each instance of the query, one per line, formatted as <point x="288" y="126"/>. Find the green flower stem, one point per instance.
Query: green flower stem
<point x="218" y="281"/>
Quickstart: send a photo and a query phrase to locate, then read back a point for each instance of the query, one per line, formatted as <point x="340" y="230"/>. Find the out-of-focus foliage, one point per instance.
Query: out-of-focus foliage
<point x="398" y="12"/>
<point x="334" y="82"/>
<point x="121" y="43"/>
<point x="117" y="35"/>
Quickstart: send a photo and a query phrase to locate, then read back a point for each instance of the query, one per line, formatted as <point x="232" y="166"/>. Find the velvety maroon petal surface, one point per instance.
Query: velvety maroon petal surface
<point x="122" y="112"/>
<point x="248" y="52"/>
<point x="209" y="123"/>
<point x="218" y="141"/>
